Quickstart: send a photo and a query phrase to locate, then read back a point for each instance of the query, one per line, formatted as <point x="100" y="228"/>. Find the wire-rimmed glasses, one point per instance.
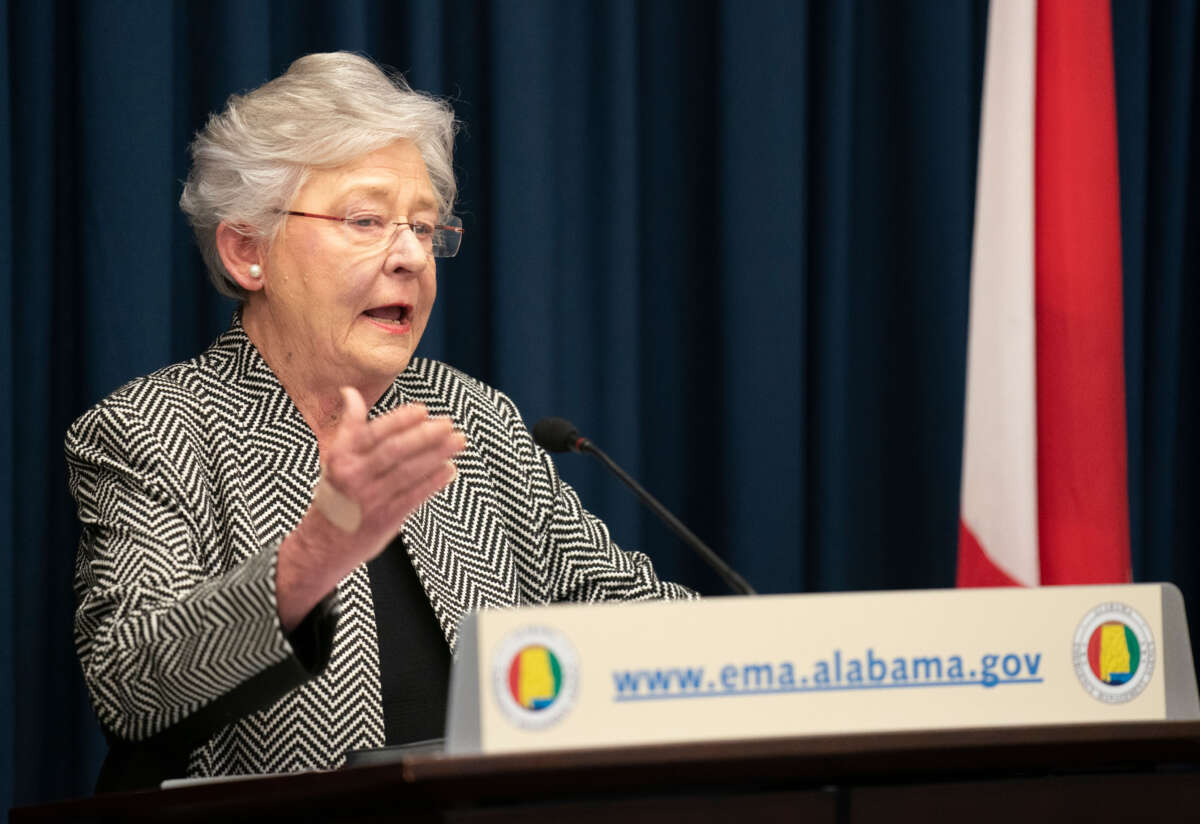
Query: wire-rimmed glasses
<point x="441" y="240"/>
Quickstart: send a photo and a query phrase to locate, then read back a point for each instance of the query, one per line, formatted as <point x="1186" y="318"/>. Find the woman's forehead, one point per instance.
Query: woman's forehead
<point x="393" y="172"/>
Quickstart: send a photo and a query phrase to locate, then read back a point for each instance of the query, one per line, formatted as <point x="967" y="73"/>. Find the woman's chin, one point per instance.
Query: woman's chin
<point x="385" y="355"/>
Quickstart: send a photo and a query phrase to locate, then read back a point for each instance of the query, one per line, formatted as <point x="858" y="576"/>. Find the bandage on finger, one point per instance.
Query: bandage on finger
<point x="340" y="509"/>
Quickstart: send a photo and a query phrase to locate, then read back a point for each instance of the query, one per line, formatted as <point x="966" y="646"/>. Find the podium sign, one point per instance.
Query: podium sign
<point x="572" y="676"/>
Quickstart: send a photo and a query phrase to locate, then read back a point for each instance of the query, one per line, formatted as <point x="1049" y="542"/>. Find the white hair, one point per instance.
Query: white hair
<point x="249" y="161"/>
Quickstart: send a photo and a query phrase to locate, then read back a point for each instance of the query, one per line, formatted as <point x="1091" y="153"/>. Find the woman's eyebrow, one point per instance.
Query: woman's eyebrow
<point x="384" y="193"/>
<point x="366" y="191"/>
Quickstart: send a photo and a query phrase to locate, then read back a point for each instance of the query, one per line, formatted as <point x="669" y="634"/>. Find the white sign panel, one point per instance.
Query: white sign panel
<point x="728" y="668"/>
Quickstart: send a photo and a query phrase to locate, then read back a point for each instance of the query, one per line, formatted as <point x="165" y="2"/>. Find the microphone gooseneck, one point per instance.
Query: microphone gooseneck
<point x="560" y="435"/>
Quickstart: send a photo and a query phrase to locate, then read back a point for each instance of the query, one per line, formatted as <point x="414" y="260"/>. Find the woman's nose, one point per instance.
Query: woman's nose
<point x="405" y="251"/>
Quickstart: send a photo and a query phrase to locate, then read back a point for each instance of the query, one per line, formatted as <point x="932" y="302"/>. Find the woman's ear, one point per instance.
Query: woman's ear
<point x="242" y="255"/>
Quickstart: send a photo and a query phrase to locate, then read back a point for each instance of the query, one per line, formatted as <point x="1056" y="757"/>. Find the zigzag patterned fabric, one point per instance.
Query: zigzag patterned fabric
<point x="187" y="480"/>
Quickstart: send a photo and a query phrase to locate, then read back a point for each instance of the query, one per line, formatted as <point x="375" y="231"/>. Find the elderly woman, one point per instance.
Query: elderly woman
<point x="281" y="536"/>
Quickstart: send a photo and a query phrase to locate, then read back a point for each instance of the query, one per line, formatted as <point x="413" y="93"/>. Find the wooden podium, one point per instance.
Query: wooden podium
<point x="1143" y="771"/>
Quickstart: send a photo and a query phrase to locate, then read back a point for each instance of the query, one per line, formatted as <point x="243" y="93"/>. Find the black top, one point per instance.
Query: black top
<point x="414" y="659"/>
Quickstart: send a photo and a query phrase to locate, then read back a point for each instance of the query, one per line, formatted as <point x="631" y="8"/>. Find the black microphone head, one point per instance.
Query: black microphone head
<point x="555" y="435"/>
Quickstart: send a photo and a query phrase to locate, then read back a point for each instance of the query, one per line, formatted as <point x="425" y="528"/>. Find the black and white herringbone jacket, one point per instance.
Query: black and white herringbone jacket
<point x="186" y="481"/>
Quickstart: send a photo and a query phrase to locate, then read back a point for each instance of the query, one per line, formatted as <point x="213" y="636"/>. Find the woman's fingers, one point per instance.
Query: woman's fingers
<point x="413" y="468"/>
<point x="390" y="465"/>
<point x="406" y="483"/>
<point x="399" y="419"/>
<point x="434" y="436"/>
<point x="357" y="433"/>
<point x="353" y="405"/>
<point x="352" y="429"/>
<point x="406" y="499"/>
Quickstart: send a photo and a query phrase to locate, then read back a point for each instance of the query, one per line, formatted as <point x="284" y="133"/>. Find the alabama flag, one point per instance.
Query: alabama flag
<point x="1044" y="498"/>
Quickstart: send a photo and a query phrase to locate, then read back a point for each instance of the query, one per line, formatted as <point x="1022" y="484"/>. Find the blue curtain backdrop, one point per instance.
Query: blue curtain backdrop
<point x="730" y="239"/>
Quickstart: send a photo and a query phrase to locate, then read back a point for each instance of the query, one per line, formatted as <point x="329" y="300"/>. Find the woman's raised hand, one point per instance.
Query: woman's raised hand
<point x="373" y="475"/>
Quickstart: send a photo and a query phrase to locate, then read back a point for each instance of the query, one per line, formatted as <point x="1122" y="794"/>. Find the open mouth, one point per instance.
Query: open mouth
<point x="397" y="314"/>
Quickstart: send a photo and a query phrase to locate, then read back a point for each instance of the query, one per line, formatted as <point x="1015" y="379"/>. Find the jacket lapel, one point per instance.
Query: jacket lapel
<point x="455" y="540"/>
<point x="279" y="455"/>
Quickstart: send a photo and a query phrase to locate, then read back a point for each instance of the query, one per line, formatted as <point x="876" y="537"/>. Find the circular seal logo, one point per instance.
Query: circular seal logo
<point x="535" y="677"/>
<point x="1114" y="653"/>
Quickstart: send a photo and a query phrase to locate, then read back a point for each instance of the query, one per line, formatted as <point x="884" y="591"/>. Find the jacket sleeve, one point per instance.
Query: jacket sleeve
<point x="584" y="564"/>
<point x="170" y="649"/>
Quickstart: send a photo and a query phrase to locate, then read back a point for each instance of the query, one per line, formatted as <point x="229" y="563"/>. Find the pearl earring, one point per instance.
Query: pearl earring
<point x="255" y="271"/>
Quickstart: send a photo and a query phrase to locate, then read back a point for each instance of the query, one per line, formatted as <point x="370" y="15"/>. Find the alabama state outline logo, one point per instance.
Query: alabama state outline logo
<point x="1114" y="653"/>
<point x="535" y="677"/>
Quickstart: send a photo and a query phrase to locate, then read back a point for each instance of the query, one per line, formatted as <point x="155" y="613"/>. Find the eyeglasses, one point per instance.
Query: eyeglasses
<point x="371" y="231"/>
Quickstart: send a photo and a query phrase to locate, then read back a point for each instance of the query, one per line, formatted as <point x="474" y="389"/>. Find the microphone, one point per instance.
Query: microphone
<point x="560" y="435"/>
<point x="557" y="435"/>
